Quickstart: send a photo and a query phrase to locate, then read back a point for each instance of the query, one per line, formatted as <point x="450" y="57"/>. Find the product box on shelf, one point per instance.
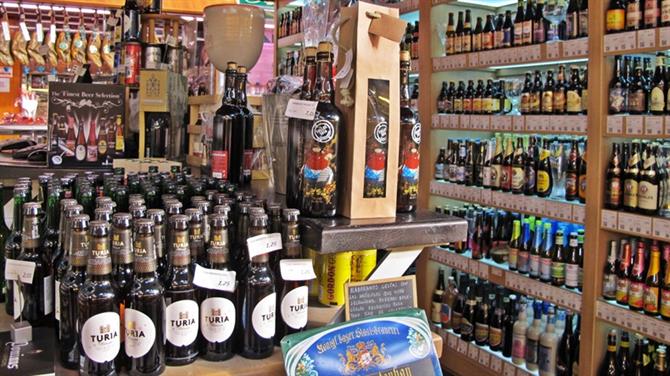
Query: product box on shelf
<point x="368" y="94"/>
<point x="86" y="124"/>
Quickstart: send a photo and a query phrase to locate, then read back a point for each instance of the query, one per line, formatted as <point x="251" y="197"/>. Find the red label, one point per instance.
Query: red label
<point x="636" y="295"/>
<point x="248" y="161"/>
<point x="220" y="164"/>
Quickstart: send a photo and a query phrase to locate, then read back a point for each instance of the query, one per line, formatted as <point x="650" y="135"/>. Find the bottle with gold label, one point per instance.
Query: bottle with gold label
<point x="657" y="105"/>
<point x="649" y="183"/>
<point x="496" y="164"/>
<point x="665" y="294"/>
<point x="616" y="16"/>
<point x="478" y="98"/>
<point x="653" y="282"/>
<point x="574" y="94"/>
<point x="536" y="94"/>
<point x="506" y="177"/>
<point x="487" y="98"/>
<point x="524" y="107"/>
<point x="518" y="165"/>
<point x="637" y="280"/>
<point x="631" y="178"/>
<point x="544" y="182"/>
<point x="559" y="97"/>
<point x="548" y="94"/>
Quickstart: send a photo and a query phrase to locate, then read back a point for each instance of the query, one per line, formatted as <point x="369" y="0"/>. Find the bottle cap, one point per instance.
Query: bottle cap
<point x="310" y="51"/>
<point x="325" y="46"/>
<point x="144" y="226"/>
<point x="80" y="222"/>
<point x="99" y="228"/>
<point x="179" y="222"/>
<point x="156" y="215"/>
<point x="241" y="69"/>
<point x="218" y="220"/>
<point x="32" y="208"/>
<point x="232" y="65"/>
<point x="194" y="215"/>
<point x="291" y="215"/>
<point x="204" y="206"/>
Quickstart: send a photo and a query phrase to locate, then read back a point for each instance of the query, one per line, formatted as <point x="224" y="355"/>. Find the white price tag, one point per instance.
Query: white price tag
<point x="496" y="364"/>
<point x="39" y="31"/>
<point x="578" y="213"/>
<point x="464" y="121"/>
<point x="518" y="123"/>
<point x="473" y="60"/>
<point x="16" y="270"/>
<point x="653" y="125"/>
<point x="554" y="50"/>
<point x="437" y="121"/>
<point x="473" y="351"/>
<point x="579" y="124"/>
<point x="301" y="109"/>
<point x="462" y="346"/>
<point x="664" y="36"/>
<point x="509" y="369"/>
<point x="484" y="358"/>
<point x="534" y="52"/>
<point x="261" y="244"/>
<point x="452" y="341"/>
<point x="505" y="123"/>
<point x="634" y="125"/>
<point x="628" y="40"/>
<point x="615" y="124"/>
<point x="609" y="219"/>
<point x="661" y="228"/>
<point x="52" y="33"/>
<point x="646" y="38"/>
<point x="222" y="280"/>
<point x="296" y="269"/>
<point x="574" y="47"/>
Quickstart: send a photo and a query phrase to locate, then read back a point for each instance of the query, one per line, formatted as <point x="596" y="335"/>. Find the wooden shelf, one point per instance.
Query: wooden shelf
<point x="462" y="358"/>
<point x="202" y="99"/>
<point x="657" y="228"/>
<point x="500" y="275"/>
<point x="406" y="6"/>
<point x="423" y="228"/>
<point x="529" y="205"/>
<point x="638" y="126"/>
<point x="290" y="40"/>
<point x="637" y="42"/>
<point x="545" y="124"/>
<point x="622" y="316"/>
<point x="236" y="366"/>
<point x="552" y="52"/>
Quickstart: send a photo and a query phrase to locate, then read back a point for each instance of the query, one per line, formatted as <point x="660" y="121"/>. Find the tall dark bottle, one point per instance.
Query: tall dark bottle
<point x="145" y="314"/>
<point x="50" y="239"/>
<point x="181" y="312"/>
<point x="649" y="191"/>
<point x="410" y="139"/>
<point x="609" y="366"/>
<point x="69" y="208"/>
<point x="294" y="161"/>
<point x="260" y="299"/>
<point x="614" y="183"/>
<point x="572" y="173"/>
<point x="69" y="292"/>
<point x="248" y="121"/>
<point x="36" y="298"/>
<point x="544" y="183"/>
<point x="218" y="317"/>
<point x="196" y="238"/>
<point x="159" y="218"/>
<point x="99" y="321"/>
<point x="631" y="178"/>
<point x="320" y="169"/>
<point x="131" y="21"/>
<point x="228" y="133"/>
<point x="13" y="244"/>
<point x="122" y="265"/>
<point x="566" y="347"/>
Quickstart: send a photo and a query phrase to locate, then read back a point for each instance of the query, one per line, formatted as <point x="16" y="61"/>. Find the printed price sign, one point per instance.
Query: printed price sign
<point x="462" y="346"/>
<point x="509" y="369"/>
<point x="265" y="243"/>
<point x="653" y="125"/>
<point x="223" y="280"/>
<point x="301" y="109"/>
<point x="634" y="125"/>
<point x="609" y="219"/>
<point x="615" y="124"/>
<point x="296" y="269"/>
<point x="484" y="358"/>
<point x="664" y="36"/>
<point x="661" y="228"/>
<point x="496" y="364"/>
<point x="452" y="341"/>
<point x="16" y="270"/>
<point x="553" y="50"/>
<point x="473" y="351"/>
<point x="646" y="38"/>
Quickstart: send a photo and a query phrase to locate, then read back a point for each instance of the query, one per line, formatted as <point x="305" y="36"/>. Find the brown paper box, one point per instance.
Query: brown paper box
<point x="376" y="57"/>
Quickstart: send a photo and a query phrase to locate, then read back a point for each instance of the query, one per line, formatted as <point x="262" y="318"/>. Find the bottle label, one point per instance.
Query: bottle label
<point x="545" y="268"/>
<point x="263" y="316"/>
<point x="496" y="175"/>
<point x="650" y="12"/>
<point x="458" y="44"/>
<point x="219" y="160"/>
<point x="531" y="351"/>
<point x="181" y="321"/>
<point x="451" y="40"/>
<point x="559" y="101"/>
<point x="609" y="286"/>
<point x="100" y="337"/>
<point x="57" y="300"/>
<point x="80" y="152"/>
<point x="487" y="41"/>
<point x="548" y="101"/>
<point x="633" y="15"/>
<point x="584" y="22"/>
<point x="477" y="105"/>
<point x="517" y="178"/>
<point x="319" y="172"/>
<point x="519" y="346"/>
<point x="48" y="284"/>
<point x="445" y="316"/>
<point x="571" y="275"/>
<point x="622" y="287"/>
<point x="617" y="100"/>
<point x="538" y="31"/>
<point x="495" y="337"/>
<point x="217" y="318"/>
<point x="665" y="303"/>
<point x="487" y="105"/>
<point x="439" y="171"/>
<point x="647" y="196"/>
<point x="571" y="184"/>
<point x="651" y="299"/>
<point x="534" y="265"/>
<point x="436" y="308"/>
<point x="636" y="295"/>
<point x="140" y="333"/>
<point x="460" y="173"/>
<point x="547" y="359"/>
<point x="530" y="175"/>
<point x="657" y="99"/>
<point x="543" y="180"/>
<point x="506" y="177"/>
<point x="616" y="19"/>
<point x="467" y="105"/>
<point x="294" y="307"/>
<point x="574" y="101"/>
<point x="524" y="106"/>
<point x="522" y="261"/>
<point x="458" y="105"/>
<point x="467" y="43"/>
<point x="614" y="191"/>
<point x="535" y="102"/>
<point x="630" y="193"/>
<point x="477" y="42"/>
<point x="506" y="37"/>
<point x="527" y="32"/>
<point x="486" y="176"/>
<point x="518" y="33"/>
<point x="637" y="100"/>
<point x="513" y="258"/>
<point x="665" y="11"/>
<point x="558" y="270"/>
<point x="481" y="332"/>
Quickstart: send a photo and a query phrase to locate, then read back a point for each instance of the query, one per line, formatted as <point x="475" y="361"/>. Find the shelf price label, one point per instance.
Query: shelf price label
<point x="301" y="109"/>
<point x="554" y="50"/>
<point x="519" y="123"/>
<point x="473" y="351"/>
<point x="634" y="125"/>
<point x="452" y="341"/>
<point x="462" y="347"/>
<point x="609" y="219"/>
<point x="16" y="270"/>
<point x="661" y="228"/>
<point x="615" y="124"/>
<point x="496" y="364"/>
<point x="261" y="244"/>
<point x="436" y="121"/>
<point x="653" y="125"/>
<point x="635" y="223"/>
<point x="509" y="369"/>
<point x="664" y="36"/>
<point x="484" y="358"/>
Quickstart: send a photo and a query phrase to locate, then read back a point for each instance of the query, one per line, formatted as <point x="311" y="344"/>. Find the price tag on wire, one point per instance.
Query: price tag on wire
<point x="223" y="280"/>
<point x="301" y="109"/>
<point x="262" y="244"/>
<point x="16" y="270"/>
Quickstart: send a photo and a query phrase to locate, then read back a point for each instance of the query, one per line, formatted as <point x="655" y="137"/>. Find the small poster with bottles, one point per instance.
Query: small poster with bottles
<point x="86" y="124"/>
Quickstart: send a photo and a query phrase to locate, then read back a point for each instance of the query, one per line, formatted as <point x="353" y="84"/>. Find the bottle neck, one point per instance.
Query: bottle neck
<point x="229" y="87"/>
<point x="17" y="224"/>
<point x="51" y="213"/>
<point x="309" y="79"/>
<point x="324" y="82"/>
<point x="241" y="89"/>
<point x="404" y="84"/>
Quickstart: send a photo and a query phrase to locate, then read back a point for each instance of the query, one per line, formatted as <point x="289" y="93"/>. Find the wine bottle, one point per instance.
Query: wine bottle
<point x="518" y="166"/>
<point x="533" y="339"/>
<point x="609" y="274"/>
<point x="652" y="282"/>
<point x="649" y="184"/>
<point x="566" y="349"/>
<point x="436" y="305"/>
<point x="12" y="246"/>
<point x="548" y="347"/>
<point x="526" y="244"/>
<point x="514" y="246"/>
<point x="637" y="280"/>
<point x="613" y="186"/>
<point x="631" y="178"/>
<point x="518" y="25"/>
<point x="519" y="337"/>
<point x="544" y="178"/>
<point x="459" y="36"/>
<point x="609" y="365"/>
<point x="616" y="16"/>
<point x="410" y="140"/>
<point x="451" y="36"/>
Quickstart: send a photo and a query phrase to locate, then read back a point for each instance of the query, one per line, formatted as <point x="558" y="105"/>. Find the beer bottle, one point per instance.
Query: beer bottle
<point x="181" y="312"/>
<point x="530" y="167"/>
<point x="649" y="184"/>
<point x="467" y="32"/>
<point x="518" y="25"/>
<point x="514" y="245"/>
<point x="293" y="302"/>
<point x="618" y="91"/>
<point x="529" y="16"/>
<point x="524" y="250"/>
<point x="534" y="258"/>
<point x="68" y="291"/>
<point x="122" y="261"/>
<point x="508" y="324"/>
<point x="13" y="245"/>
<point x="572" y="263"/>
<point x="410" y="140"/>
<point x="560" y="92"/>
<point x="609" y="274"/>
<point x="468" y="319"/>
<point x="497" y="164"/>
<point x="613" y="186"/>
<point x="61" y="262"/>
<point x="616" y="19"/>
<point x="653" y="282"/>
<point x="546" y="255"/>
<point x="631" y="178"/>
<point x="458" y="38"/>
<point x="80" y="146"/>
<point x="145" y="314"/>
<point x="572" y="173"/>
<point x="451" y="36"/>
<point x="436" y="305"/>
<point x="477" y="36"/>
<point x="665" y="293"/>
<point x="497" y="322"/>
<point x="158" y="217"/>
<point x="218" y="317"/>
<point x="548" y="93"/>
<point x="518" y="167"/>
<point x="248" y="122"/>
<point x="196" y="239"/>
<point x="99" y="321"/>
<point x="637" y="280"/>
<point x="558" y="260"/>
<point x="623" y="274"/>
<point x="609" y="366"/>
<point x="536" y="94"/>
<point x="637" y="90"/>
<point x="229" y="120"/>
<point x="574" y="93"/>
<point x="260" y="299"/>
<point x="545" y="181"/>
<point x="459" y="304"/>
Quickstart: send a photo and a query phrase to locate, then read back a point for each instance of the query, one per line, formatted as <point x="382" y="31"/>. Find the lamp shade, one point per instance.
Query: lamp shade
<point x="234" y="33"/>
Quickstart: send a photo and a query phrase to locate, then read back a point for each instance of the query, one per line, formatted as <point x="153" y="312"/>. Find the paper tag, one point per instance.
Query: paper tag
<point x="223" y="280"/>
<point x="39" y="30"/>
<point x="518" y="123"/>
<point x="52" y="33"/>
<point x="609" y="219"/>
<point x="496" y="364"/>
<point x="24" y="31"/>
<point x="653" y="125"/>
<point x="634" y="125"/>
<point x="5" y="31"/>
<point x="553" y="50"/>
<point x="473" y="351"/>
<point x="261" y="244"/>
<point x="664" y="36"/>
<point x="19" y="270"/>
<point x="661" y="228"/>
<point x="509" y="369"/>
<point x="615" y="124"/>
<point x="646" y="38"/>
<point x="301" y="109"/>
<point x="296" y="269"/>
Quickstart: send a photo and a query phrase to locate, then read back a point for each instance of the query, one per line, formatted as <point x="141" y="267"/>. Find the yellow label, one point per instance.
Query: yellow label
<point x="574" y="101"/>
<point x="647" y="196"/>
<point x="657" y="99"/>
<point x="548" y="101"/>
<point x="487" y="104"/>
<point x="477" y="105"/>
<point x="535" y="102"/>
<point x="542" y="183"/>
<point x="630" y="193"/>
<point x="559" y="100"/>
<point x="616" y="19"/>
<point x="335" y="273"/>
<point x="585" y="99"/>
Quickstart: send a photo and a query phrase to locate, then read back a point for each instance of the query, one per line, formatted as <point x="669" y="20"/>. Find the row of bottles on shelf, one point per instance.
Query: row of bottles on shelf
<point x="636" y="274"/>
<point x="410" y="41"/>
<point x="528" y="26"/>
<point x="637" y="89"/>
<point x="622" y="15"/>
<point x="290" y="22"/>
<point x="548" y="250"/>
<point x="536" y="334"/>
<point x="293" y="63"/>
<point x="558" y="95"/>
<point x="638" y="178"/>
<point x="648" y="358"/>
<point x="550" y="167"/>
